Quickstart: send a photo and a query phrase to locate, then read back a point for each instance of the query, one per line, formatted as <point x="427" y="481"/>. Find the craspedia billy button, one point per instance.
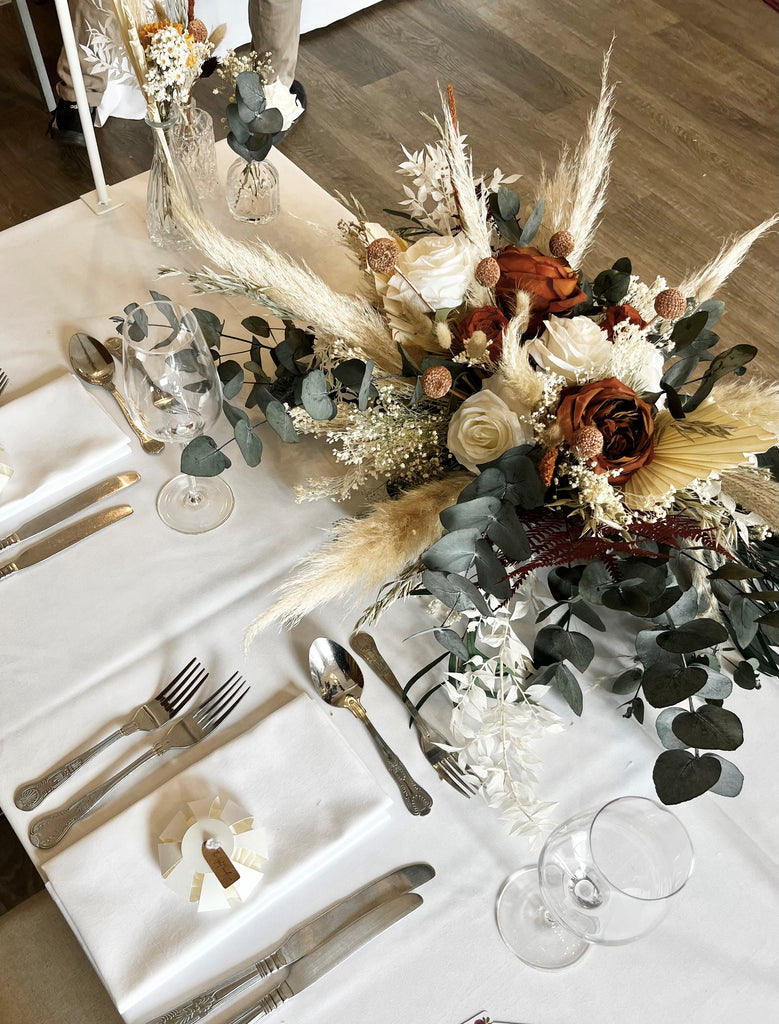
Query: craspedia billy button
<point x="588" y="442"/>
<point x="436" y="381"/>
<point x="382" y="255"/>
<point x="670" y="304"/>
<point x="487" y="272"/>
<point x="197" y="30"/>
<point x="561" y="244"/>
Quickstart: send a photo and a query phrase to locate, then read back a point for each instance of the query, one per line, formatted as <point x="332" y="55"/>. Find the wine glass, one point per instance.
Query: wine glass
<point x="175" y="394"/>
<point x="604" y="876"/>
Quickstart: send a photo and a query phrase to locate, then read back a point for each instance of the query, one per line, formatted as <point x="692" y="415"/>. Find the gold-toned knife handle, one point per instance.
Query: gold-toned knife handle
<point x="149" y="444"/>
<point x="8" y="570"/>
<point x="9" y="541"/>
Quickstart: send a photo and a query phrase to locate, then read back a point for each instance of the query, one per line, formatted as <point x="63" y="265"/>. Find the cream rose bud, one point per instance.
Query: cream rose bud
<point x="574" y="348"/>
<point x="483" y="428"/>
<point x="278" y="95"/>
<point x="440" y="267"/>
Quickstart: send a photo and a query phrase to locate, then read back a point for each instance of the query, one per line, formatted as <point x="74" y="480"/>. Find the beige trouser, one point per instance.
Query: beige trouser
<point x="83" y="13"/>
<point x="275" y="27"/>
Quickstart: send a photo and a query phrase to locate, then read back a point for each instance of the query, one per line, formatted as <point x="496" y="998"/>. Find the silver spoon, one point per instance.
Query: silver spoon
<point x="339" y="682"/>
<point x="91" y="361"/>
<point x="160" y="398"/>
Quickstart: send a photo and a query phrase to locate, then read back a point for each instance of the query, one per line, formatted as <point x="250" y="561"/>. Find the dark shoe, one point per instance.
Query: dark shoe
<point x="65" y="123"/>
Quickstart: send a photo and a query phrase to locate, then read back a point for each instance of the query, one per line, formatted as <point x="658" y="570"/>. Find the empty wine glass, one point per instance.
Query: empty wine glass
<point x="604" y="876"/>
<point x="175" y="394"/>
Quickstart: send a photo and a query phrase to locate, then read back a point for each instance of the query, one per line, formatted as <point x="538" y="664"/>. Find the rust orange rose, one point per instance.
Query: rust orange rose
<point x="491" y="322"/>
<point x="620" y="415"/>
<point x="617" y="315"/>
<point x="552" y="283"/>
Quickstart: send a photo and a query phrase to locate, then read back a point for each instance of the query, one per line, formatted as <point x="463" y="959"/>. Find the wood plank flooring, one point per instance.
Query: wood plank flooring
<point x="695" y="161"/>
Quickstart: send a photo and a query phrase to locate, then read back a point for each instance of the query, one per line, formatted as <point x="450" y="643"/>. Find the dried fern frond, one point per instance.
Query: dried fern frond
<point x="292" y="289"/>
<point x="575" y="196"/>
<point x="709" y="279"/>
<point x="364" y="552"/>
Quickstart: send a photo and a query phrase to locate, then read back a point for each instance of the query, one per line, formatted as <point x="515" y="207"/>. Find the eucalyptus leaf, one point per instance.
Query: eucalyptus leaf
<point x="627" y="681"/>
<point x="454" y="552"/>
<point x="565" y="682"/>
<point x="210" y="325"/>
<point x="315" y="396"/>
<point x="475" y="514"/>
<point x="231" y="375"/>
<point x="280" y="421"/>
<point x="665" y="686"/>
<point x="452" y="642"/>
<point x="508" y="203"/>
<point x="693" y="636"/>
<point x="234" y="414"/>
<point x="678" y="775"/>
<point x="137" y="325"/>
<point x="408" y="367"/>
<point x="490" y="571"/>
<point x="201" y="457"/>
<point x="728" y="362"/>
<point x="678" y="374"/>
<point x="731" y="779"/>
<point x="489" y="482"/>
<point x="743" y="615"/>
<point x="248" y="442"/>
<point x="709" y="727"/>
<point x="554" y="643"/>
<point x="532" y="224"/>
<point x="581" y="610"/>
<point x="744" y="676"/>
<point x="686" y="330"/>
<point x="256" y="325"/>
<point x="367" y="388"/>
<point x="734" y="571"/>
<point x="238" y="127"/>
<point x="595" y="582"/>
<point x="270" y="121"/>
<point x="455" y="591"/>
<point x="239" y="148"/>
<point x="663" y="724"/>
<point x="507" y="532"/>
<point x="718" y="686"/>
<point x="258" y="146"/>
<point x="249" y="88"/>
<point x="563" y="581"/>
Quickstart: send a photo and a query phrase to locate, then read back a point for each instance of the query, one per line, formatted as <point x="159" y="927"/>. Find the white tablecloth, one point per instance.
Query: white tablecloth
<point x="82" y="635"/>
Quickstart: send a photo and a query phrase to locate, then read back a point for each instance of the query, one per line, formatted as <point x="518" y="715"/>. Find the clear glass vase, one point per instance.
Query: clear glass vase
<point x="165" y="174"/>
<point x="193" y="142"/>
<point x="253" y="190"/>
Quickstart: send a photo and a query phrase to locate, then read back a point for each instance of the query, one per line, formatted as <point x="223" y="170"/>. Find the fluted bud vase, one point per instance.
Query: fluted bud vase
<point x="252" y="190"/>
<point x="166" y="173"/>
<point x="193" y="141"/>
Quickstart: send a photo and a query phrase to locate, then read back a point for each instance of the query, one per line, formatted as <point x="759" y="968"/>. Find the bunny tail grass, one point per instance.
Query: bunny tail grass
<point x="364" y="553"/>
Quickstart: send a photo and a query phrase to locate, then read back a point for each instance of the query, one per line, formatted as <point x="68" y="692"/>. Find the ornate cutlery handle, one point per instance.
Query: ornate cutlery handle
<point x="416" y="799"/>
<point x="30" y="794"/>
<point x="365" y="646"/>
<point x="149" y="444"/>
<point x="46" y="832"/>
<point x="270" y="1002"/>
<point x="202" y="1004"/>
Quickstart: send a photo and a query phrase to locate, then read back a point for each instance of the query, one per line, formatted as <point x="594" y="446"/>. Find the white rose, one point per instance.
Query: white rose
<point x="574" y="348"/>
<point x="278" y="95"/>
<point x="648" y="376"/>
<point x="482" y="429"/>
<point x="440" y="267"/>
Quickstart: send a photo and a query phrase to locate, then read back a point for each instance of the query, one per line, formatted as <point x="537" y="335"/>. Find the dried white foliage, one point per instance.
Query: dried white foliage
<point x="496" y="727"/>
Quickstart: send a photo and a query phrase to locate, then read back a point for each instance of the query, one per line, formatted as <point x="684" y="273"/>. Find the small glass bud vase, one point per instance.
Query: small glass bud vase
<point x="165" y="174"/>
<point x="193" y="141"/>
<point x="253" y="190"/>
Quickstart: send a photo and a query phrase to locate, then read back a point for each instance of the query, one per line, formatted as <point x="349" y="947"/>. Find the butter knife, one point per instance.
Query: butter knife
<point x="345" y="942"/>
<point x="59" y="513"/>
<point x="305" y="940"/>
<point x="64" y="538"/>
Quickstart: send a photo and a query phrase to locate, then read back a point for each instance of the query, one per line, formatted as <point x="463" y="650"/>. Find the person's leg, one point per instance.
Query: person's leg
<point x="83" y="15"/>
<point x="275" y="27"/>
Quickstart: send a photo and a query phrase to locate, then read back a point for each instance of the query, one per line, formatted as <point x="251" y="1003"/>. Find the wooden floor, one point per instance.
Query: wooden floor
<point x="695" y="162"/>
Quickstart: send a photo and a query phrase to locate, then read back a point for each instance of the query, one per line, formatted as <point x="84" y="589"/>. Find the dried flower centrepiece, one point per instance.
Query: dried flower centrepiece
<point x="568" y="448"/>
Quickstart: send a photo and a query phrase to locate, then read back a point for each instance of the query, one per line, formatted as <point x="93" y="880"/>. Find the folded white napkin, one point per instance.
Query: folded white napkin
<point x="52" y="438"/>
<point x="293" y="772"/>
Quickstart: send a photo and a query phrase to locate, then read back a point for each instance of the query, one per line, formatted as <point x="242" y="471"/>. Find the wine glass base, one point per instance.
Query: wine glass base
<point x="528" y="929"/>
<point x="178" y="509"/>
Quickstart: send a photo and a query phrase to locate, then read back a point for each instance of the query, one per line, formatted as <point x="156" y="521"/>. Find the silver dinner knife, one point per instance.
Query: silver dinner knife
<point x="64" y="538"/>
<point x="304" y="940"/>
<point x="59" y="513"/>
<point x="312" y="967"/>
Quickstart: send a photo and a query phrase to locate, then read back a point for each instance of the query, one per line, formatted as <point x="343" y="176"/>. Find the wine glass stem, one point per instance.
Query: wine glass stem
<point x="194" y="494"/>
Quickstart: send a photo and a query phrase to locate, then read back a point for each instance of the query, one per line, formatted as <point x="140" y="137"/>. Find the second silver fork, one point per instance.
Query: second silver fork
<point x="49" y="830"/>
<point x="148" y="717"/>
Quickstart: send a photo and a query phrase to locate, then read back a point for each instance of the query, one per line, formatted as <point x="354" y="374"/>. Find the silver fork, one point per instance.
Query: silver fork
<point x="430" y="739"/>
<point x="148" y="717"/>
<point x="3" y="381"/>
<point x="186" y="732"/>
